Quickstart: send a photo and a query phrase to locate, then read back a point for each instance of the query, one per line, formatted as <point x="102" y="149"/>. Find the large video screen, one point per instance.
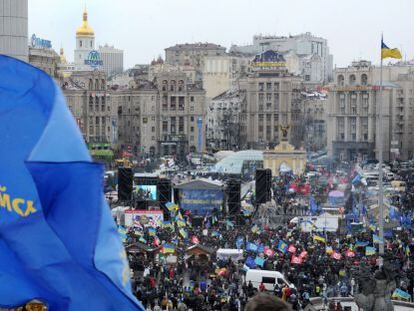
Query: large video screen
<point x="146" y="192"/>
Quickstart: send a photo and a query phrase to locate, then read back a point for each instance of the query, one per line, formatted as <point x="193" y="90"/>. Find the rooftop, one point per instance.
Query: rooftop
<point x="196" y="46"/>
<point x="233" y="163"/>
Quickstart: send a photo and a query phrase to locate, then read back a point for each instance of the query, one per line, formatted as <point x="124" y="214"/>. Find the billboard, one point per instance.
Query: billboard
<point x="319" y="223"/>
<point x="201" y="202"/>
<point x="145" y="218"/>
<point x="146" y="192"/>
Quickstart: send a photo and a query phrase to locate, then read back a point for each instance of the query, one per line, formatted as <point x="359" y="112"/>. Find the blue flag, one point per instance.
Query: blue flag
<point x="239" y="242"/>
<point x="251" y="247"/>
<point x="313" y="206"/>
<point x="282" y="246"/>
<point x="259" y="261"/>
<point x="356" y="179"/>
<point x="250" y="262"/>
<point x="59" y="243"/>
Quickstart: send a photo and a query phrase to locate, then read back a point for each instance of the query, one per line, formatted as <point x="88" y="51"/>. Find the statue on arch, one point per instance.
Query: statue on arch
<point x="284" y="130"/>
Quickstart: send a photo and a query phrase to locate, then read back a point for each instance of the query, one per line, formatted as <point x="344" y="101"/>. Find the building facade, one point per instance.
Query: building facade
<point x="165" y="116"/>
<point x="313" y="61"/>
<point x="354" y="101"/>
<point x="223" y="120"/>
<point x="90" y="103"/>
<point x="14" y="28"/>
<point x="45" y="59"/>
<point x="273" y="100"/>
<point x="192" y="54"/>
<point x="315" y="106"/>
<point x="222" y="73"/>
<point x="352" y="114"/>
<point x="113" y="60"/>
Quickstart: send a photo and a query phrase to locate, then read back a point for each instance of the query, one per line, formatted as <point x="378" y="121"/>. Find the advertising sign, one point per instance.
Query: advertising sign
<point x="318" y="223"/>
<point x="94" y="59"/>
<point x="40" y="43"/>
<point x="144" y="218"/>
<point x="201" y="202"/>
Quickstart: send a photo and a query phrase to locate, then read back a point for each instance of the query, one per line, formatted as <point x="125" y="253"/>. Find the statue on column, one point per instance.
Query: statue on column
<point x="375" y="290"/>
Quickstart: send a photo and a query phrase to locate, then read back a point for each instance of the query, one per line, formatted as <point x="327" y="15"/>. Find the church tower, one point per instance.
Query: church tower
<point x="85" y="43"/>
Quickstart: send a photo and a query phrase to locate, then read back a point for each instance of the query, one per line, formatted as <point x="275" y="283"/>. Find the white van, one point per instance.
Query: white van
<point x="268" y="277"/>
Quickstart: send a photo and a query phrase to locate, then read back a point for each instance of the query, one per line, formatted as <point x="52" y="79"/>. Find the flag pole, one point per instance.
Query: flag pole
<point x="380" y="161"/>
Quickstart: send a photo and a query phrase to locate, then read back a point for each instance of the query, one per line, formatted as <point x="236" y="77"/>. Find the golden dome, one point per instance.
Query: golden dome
<point x="85" y="30"/>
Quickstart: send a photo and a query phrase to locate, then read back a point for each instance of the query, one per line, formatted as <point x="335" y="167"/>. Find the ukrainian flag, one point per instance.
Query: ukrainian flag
<point x="168" y="248"/>
<point x="319" y="238"/>
<point x="369" y="251"/>
<point x="386" y="52"/>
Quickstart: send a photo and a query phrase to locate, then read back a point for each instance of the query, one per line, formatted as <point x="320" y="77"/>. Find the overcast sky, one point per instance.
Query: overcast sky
<point x="143" y="28"/>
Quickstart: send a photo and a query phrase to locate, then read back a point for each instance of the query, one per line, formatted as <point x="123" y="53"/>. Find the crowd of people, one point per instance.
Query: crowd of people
<point x="167" y="276"/>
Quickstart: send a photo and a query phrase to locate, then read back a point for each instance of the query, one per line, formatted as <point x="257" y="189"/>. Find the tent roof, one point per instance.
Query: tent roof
<point x="200" y="184"/>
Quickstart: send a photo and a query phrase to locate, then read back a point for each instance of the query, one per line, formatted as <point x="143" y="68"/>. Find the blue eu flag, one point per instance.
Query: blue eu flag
<point x="58" y="241"/>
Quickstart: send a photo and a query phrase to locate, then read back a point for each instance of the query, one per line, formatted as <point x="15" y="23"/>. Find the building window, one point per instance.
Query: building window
<point x="364" y="79"/>
<point x="164" y="103"/>
<point x="173" y="103"/>
<point x="173" y="125"/>
<point x="164" y="85"/>
<point x="181" y="125"/>
<point x="341" y="80"/>
<point x="192" y="99"/>
<point x="192" y="129"/>
<point x="261" y="87"/>
<point x="276" y="86"/>
<point x="352" y="80"/>
<point x="261" y="98"/>
<point x="268" y="86"/>
<point x="192" y="119"/>
<point x="165" y="126"/>
<point x="153" y="129"/>
<point x="342" y="103"/>
<point x="269" y="97"/>
<point x="181" y="104"/>
<point x="80" y="43"/>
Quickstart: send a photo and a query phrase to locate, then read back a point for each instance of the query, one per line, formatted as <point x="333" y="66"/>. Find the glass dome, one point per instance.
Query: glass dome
<point x="234" y="163"/>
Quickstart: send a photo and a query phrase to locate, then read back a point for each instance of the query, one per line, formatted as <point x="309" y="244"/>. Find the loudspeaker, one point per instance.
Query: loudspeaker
<point x="124" y="184"/>
<point x="164" y="195"/>
<point x="268" y="185"/>
<point x="261" y="186"/>
<point x="233" y="196"/>
<point x="164" y="190"/>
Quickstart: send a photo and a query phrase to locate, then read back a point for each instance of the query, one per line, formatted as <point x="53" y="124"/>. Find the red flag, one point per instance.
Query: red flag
<point x="303" y="254"/>
<point x="292" y="249"/>
<point x="195" y="240"/>
<point x="296" y="260"/>
<point x="349" y="253"/>
<point x="336" y="256"/>
<point x="157" y="242"/>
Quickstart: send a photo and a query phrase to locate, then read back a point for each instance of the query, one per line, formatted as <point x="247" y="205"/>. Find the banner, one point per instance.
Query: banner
<point x="201" y="202"/>
<point x="150" y="218"/>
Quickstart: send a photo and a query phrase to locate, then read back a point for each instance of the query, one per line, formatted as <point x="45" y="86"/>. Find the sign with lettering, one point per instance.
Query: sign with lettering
<point x="40" y="43"/>
<point x="94" y="59"/>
